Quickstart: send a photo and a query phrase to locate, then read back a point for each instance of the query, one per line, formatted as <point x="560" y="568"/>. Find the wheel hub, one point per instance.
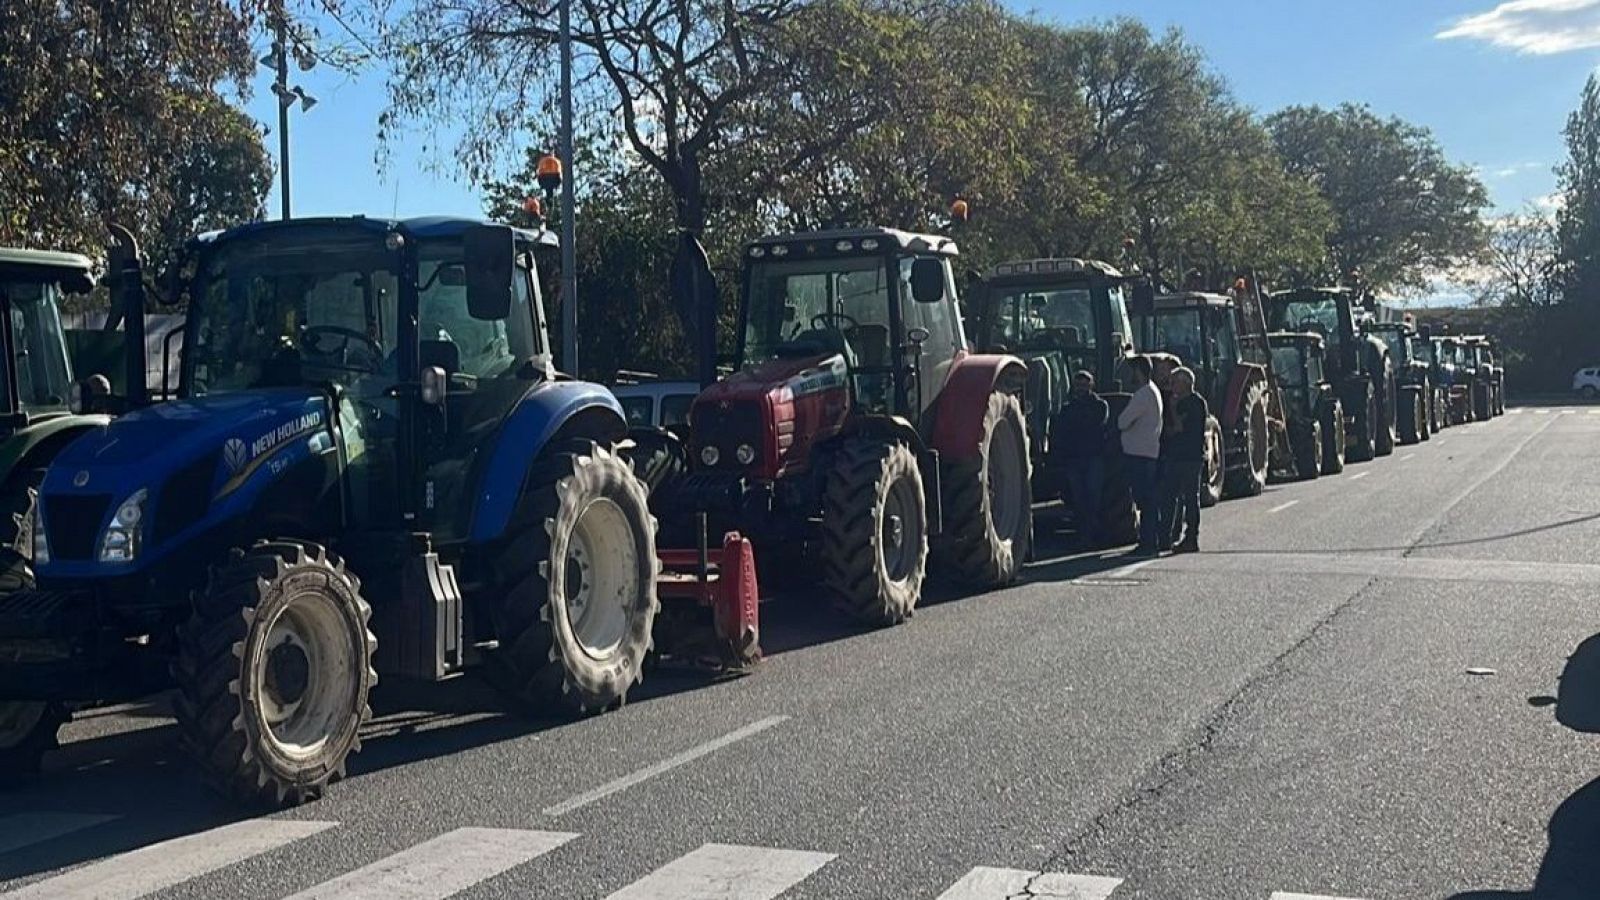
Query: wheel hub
<point x="288" y="672"/>
<point x="894" y="531"/>
<point x="601" y="578"/>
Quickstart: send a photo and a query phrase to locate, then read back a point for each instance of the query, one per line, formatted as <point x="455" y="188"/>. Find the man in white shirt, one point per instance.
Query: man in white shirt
<point x="1140" y="424"/>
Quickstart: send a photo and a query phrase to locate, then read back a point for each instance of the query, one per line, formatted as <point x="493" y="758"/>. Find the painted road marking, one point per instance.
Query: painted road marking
<point x="160" y="866"/>
<point x="1514" y="412"/>
<point x="1594" y="412"/>
<point x="1127" y="570"/>
<point x="446" y="865"/>
<point x="984" y="883"/>
<point x="1282" y="895"/>
<point x="1360" y="475"/>
<point x="1407" y="456"/>
<point x="26" y="829"/>
<point x="666" y="765"/>
<point x="726" y="872"/>
<point x="1282" y="506"/>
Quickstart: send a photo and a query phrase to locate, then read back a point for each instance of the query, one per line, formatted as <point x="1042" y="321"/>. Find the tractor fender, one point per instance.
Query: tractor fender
<point x="1244" y="376"/>
<point x="958" y="411"/>
<point x="549" y="412"/>
<point x="34" y="446"/>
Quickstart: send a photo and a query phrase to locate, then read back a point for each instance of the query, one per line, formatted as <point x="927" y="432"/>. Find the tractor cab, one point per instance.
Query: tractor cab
<point x="1359" y="364"/>
<point x="1067" y="314"/>
<point x="1201" y="330"/>
<point x="1315" y="415"/>
<point x="36" y="376"/>
<point x="1299" y="361"/>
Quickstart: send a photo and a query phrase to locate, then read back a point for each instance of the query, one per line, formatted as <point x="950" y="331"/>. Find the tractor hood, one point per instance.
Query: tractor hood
<point x="199" y="462"/>
<point x="776" y="410"/>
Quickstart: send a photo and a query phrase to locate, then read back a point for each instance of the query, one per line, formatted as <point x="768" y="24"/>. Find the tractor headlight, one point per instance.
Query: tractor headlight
<point x="745" y="454"/>
<point x="709" y="455"/>
<point x="120" y="543"/>
<point x="40" y="549"/>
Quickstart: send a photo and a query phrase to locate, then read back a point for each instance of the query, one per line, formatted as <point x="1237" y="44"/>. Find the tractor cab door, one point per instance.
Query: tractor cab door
<point x="488" y="363"/>
<point x="931" y="331"/>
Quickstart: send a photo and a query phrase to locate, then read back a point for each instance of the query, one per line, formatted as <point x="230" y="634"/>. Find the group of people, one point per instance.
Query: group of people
<point x="1163" y="440"/>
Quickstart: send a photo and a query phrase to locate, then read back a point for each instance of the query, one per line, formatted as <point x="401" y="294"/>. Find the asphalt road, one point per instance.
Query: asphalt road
<point x="1379" y="685"/>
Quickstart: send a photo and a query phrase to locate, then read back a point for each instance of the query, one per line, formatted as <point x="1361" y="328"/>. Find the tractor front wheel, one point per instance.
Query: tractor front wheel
<point x="1252" y="479"/>
<point x="1216" y="464"/>
<point x="875" y="531"/>
<point x="273" y="673"/>
<point x="1409" y="417"/>
<point x="1385" y="435"/>
<point x="1366" y="437"/>
<point x="988" y="503"/>
<point x="577" y="585"/>
<point x="1308" y="452"/>
<point x="1333" y="440"/>
<point x="28" y="730"/>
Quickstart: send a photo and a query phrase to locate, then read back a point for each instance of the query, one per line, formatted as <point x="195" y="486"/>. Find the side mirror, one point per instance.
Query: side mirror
<point x="1144" y="297"/>
<point x="918" y="336"/>
<point x="435" y="385"/>
<point x="927" y="280"/>
<point x="489" y="254"/>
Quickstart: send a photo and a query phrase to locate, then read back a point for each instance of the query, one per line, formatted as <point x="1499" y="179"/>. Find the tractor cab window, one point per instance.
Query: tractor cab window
<point x="450" y="337"/>
<point x="1398" y="346"/>
<point x="1174" y="331"/>
<point x="38" y="347"/>
<point x="1120" y="323"/>
<point x="1314" y="371"/>
<point x="1316" y="316"/>
<point x="1289" y="366"/>
<point x="283" y="313"/>
<point x="1047" y="319"/>
<point x="803" y="308"/>
<point x="1422" y="349"/>
<point x="1221" y="339"/>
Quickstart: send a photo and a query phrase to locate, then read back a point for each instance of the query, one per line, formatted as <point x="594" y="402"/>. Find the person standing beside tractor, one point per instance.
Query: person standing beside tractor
<point x="1140" y="425"/>
<point x="1183" y="464"/>
<point x="1082" y="427"/>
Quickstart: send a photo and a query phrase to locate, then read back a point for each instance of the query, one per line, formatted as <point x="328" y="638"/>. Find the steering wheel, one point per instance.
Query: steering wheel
<point x="1314" y="326"/>
<point x="824" y="322"/>
<point x="311" y="343"/>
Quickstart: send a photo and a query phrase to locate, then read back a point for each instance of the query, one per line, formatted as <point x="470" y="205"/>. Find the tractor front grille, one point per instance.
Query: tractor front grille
<point x="726" y="426"/>
<point x="72" y="523"/>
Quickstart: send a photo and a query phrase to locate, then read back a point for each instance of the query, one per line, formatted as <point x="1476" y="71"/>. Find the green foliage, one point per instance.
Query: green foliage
<point x="1401" y="209"/>
<point x="109" y="111"/>
<point x="1578" y="220"/>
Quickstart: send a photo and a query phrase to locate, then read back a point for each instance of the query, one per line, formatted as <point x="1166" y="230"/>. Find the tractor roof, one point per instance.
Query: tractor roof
<point x="1190" y="300"/>
<point x="1295" y="338"/>
<point x="18" y="258"/>
<point x="832" y="240"/>
<point x="419" y="226"/>
<point x="1402" y="327"/>
<point x="1028" y="268"/>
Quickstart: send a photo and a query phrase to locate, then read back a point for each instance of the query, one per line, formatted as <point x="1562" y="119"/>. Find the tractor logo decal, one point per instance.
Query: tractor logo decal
<point x="80" y="479"/>
<point x="829" y="375"/>
<point x="243" y="459"/>
<point x="235" y="455"/>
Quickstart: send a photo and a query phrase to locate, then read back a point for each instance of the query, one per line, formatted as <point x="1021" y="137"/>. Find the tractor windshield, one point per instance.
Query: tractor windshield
<point x="38" y="351"/>
<point x="1399" y="345"/>
<point x="809" y="307"/>
<point x="1289" y="366"/>
<point x="1318" y="316"/>
<point x="1046" y="319"/>
<point x="1174" y="331"/>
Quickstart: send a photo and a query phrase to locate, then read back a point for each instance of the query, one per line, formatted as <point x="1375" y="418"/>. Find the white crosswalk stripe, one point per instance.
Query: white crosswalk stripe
<point x="446" y="865"/>
<point x="984" y="883"/>
<point x="29" y="828"/>
<point x="159" y="866"/>
<point x="1282" y="895"/>
<point x="726" y="872"/>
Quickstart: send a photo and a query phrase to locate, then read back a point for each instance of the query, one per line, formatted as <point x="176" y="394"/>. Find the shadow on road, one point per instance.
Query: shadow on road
<point x="1571" y="866"/>
<point x="1435" y="545"/>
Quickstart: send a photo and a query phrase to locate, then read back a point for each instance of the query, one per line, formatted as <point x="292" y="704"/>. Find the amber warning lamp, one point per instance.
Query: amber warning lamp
<point x="959" y="210"/>
<point x="548" y="172"/>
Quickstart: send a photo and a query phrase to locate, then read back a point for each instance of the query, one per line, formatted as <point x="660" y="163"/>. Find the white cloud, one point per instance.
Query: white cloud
<point x="1549" y="203"/>
<point x="1540" y="27"/>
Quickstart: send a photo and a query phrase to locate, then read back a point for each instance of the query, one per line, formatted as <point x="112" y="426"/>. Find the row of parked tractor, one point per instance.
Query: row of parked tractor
<point x="361" y="462"/>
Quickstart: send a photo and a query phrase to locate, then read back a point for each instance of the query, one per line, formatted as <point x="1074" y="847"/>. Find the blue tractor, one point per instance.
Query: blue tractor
<point x="370" y="467"/>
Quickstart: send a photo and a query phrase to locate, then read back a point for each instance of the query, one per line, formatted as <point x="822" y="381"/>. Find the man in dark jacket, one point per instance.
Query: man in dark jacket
<point x="1081" y="429"/>
<point x="1184" y="459"/>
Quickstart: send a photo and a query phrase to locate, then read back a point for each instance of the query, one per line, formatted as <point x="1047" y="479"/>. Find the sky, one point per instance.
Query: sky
<point x="1494" y="81"/>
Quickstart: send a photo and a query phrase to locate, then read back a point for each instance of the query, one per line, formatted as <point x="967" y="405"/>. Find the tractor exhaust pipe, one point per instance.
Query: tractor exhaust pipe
<point x="127" y="274"/>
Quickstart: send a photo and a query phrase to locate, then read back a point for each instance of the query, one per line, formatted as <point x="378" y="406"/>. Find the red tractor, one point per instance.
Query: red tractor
<point x="857" y="434"/>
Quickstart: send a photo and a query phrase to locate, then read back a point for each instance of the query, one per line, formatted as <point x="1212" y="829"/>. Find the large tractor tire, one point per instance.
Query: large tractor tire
<point x="17" y="497"/>
<point x="1309" y="446"/>
<point x="1409" y="417"/>
<point x="273" y="673"/>
<point x="1251" y="480"/>
<point x="875" y="531"/>
<point x="1216" y="464"/>
<point x="28" y="730"/>
<point x="1364" y="442"/>
<point x="1480" y="402"/>
<point x="576" y="585"/>
<point x="1386" y="436"/>
<point x="988" y="503"/>
<point x="1333" y="439"/>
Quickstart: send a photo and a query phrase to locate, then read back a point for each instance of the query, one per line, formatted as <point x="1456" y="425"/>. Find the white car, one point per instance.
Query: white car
<point x="658" y="403"/>
<point x="1586" y="382"/>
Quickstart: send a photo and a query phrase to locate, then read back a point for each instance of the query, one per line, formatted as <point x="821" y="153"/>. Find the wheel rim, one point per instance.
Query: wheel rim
<point x="17" y="721"/>
<point x="900" y="530"/>
<point x="1213" y="457"/>
<point x="601" y="577"/>
<point x="1005" y="475"/>
<point x="1258" y="440"/>
<point x="305" y="683"/>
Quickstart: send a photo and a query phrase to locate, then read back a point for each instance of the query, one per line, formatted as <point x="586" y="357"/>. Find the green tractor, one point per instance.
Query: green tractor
<point x="1315" y="412"/>
<point x="1413" y="380"/>
<point x="1359" y="365"/>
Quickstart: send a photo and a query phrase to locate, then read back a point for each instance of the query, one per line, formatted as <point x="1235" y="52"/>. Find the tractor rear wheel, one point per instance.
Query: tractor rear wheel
<point x="988" y="503"/>
<point x="1252" y="479"/>
<point x="576" y="579"/>
<point x="1308" y="453"/>
<point x="1333" y="439"/>
<point x="875" y="531"/>
<point x="27" y="729"/>
<point x="1409" y="417"/>
<point x="1366" y="437"/>
<point x="273" y="673"/>
<point x="1480" y="403"/>
<point x="1385" y="439"/>
<point x="1216" y="463"/>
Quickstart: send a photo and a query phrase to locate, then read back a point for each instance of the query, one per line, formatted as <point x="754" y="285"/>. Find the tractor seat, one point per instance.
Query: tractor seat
<point x="870" y="340"/>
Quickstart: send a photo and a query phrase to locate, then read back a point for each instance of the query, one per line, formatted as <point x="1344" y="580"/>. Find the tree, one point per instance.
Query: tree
<point x="1402" y="211"/>
<point x="1519" y="268"/>
<point x="1578" y="218"/>
<point x="109" y="111"/>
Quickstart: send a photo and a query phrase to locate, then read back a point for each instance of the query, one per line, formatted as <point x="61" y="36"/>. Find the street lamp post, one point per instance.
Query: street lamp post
<point x="569" y="253"/>
<point x="278" y="60"/>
